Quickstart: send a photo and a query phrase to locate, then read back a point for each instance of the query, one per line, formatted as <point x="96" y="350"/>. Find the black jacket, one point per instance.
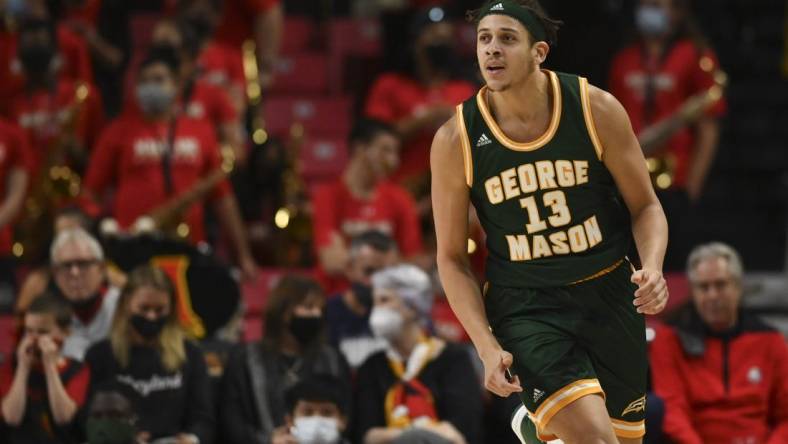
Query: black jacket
<point x="166" y="403"/>
<point x="242" y="395"/>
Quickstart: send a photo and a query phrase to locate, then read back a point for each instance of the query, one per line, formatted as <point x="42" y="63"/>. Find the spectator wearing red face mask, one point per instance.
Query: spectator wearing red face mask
<point x="41" y="389"/>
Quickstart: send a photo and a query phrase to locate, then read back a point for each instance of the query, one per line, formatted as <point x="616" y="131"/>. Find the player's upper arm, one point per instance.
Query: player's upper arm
<point x="621" y="153"/>
<point x="450" y="193"/>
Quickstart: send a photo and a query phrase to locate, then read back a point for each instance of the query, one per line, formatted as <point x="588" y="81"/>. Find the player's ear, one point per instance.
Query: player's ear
<point x="540" y="51"/>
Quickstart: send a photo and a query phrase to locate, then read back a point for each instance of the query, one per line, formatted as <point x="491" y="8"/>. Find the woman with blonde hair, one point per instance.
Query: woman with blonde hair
<point x="147" y="352"/>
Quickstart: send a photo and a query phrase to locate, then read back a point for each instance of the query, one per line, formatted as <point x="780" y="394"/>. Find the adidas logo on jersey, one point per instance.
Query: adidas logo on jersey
<point x="538" y="395"/>
<point x="498" y="7"/>
<point x="483" y="140"/>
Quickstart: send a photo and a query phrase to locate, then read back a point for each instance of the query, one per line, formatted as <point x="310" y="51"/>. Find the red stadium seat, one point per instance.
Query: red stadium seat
<point x="360" y="37"/>
<point x="255" y="293"/>
<point x="356" y="39"/>
<point x="322" y="158"/>
<point x="304" y="73"/>
<point x="319" y="116"/>
<point x="297" y="35"/>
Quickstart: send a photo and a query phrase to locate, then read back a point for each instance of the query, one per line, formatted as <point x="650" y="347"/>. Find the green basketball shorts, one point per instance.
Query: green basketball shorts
<point x="572" y="341"/>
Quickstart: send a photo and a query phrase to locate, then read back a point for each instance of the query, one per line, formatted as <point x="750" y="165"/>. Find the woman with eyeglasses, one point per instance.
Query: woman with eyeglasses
<point x="148" y="353"/>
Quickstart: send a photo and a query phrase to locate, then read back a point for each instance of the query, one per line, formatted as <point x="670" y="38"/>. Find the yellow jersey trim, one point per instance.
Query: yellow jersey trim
<point x="467" y="160"/>
<point x="560" y="399"/>
<point x="589" y="117"/>
<point x="599" y="273"/>
<point x="626" y="429"/>
<point x="524" y="146"/>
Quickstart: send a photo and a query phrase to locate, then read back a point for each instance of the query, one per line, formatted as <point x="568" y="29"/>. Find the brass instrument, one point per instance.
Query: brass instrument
<point x="56" y="182"/>
<point x="652" y="139"/>
<point x="168" y="217"/>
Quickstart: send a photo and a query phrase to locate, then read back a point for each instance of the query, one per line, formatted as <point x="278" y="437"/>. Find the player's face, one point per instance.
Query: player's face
<point x="715" y="293"/>
<point x="505" y="53"/>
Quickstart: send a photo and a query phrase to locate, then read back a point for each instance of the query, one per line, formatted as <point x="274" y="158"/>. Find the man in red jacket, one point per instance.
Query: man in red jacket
<point x="721" y="371"/>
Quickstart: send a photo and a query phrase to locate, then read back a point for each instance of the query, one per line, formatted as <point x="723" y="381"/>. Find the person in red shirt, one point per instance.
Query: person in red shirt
<point x="200" y="99"/>
<point x="155" y="155"/>
<point x="363" y="199"/>
<point x="259" y="20"/>
<point x="218" y="63"/>
<point x="14" y="179"/>
<point x="418" y="100"/>
<point x="70" y="58"/>
<point x="61" y="116"/>
<point x="41" y="389"/>
<point x="652" y="78"/>
<point x="720" y="370"/>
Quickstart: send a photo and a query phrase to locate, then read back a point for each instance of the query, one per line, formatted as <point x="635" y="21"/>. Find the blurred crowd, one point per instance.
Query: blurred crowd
<point x="215" y="226"/>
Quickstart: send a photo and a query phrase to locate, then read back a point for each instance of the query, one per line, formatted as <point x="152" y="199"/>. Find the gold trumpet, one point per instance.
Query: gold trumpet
<point x="662" y="166"/>
<point x="168" y="217"/>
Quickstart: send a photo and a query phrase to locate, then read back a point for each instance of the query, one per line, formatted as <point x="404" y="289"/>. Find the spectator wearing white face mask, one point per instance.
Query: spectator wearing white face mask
<point x="420" y="389"/>
<point x="317" y="409"/>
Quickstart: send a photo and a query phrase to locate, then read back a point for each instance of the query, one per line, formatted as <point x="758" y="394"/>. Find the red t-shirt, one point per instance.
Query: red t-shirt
<point x="85" y="14"/>
<point x="14" y="153"/>
<point x="210" y="103"/>
<point x="42" y="114"/>
<point x="676" y="78"/>
<point x="238" y="20"/>
<point x="128" y="157"/>
<point x="391" y="210"/>
<point x="394" y="97"/>
<point x="222" y="65"/>
<point x="73" y="62"/>
<point x="76" y="385"/>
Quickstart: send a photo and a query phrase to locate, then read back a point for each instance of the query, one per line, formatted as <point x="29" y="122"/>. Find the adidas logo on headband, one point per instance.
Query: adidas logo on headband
<point x="498" y="7"/>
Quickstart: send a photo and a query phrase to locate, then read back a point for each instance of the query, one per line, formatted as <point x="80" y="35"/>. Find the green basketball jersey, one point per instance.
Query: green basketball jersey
<point x="550" y="208"/>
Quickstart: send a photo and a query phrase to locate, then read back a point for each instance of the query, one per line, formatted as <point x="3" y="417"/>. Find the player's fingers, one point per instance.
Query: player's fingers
<point x="655" y="305"/>
<point x="653" y="292"/>
<point x="647" y="285"/>
<point x="637" y="276"/>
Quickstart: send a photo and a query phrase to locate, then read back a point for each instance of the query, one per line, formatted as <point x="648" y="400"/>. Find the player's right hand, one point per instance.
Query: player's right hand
<point x="496" y="363"/>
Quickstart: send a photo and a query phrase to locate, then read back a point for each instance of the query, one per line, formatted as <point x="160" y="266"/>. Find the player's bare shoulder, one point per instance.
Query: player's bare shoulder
<point x="446" y="152"/>
<point x="611" y="120"/>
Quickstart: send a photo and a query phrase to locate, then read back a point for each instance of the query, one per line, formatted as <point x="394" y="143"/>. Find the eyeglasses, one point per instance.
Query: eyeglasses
<point x="79" y="264"/>
<point x="717" y="284"/>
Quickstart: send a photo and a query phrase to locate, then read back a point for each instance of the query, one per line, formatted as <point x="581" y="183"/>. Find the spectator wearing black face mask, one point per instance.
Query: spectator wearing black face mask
<point x="258" y="374"/>
<point x="148" y="354"/>
<point x="347" y="314"/>
<point x="54" y="108"/>
<point x="422" y="97"/>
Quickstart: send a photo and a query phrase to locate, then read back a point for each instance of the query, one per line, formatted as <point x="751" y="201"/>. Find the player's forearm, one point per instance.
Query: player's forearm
<point x="465" y="299"/>
<point x="650" y="230"/>
<point x="14" y="403"/>
<point x="62" y="406"/>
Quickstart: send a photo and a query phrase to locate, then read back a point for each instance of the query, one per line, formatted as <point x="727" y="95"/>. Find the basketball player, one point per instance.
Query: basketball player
<point x="556" y="175"/>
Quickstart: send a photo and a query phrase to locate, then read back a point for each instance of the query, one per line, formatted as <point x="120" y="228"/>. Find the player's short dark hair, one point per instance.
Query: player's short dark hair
<point x="550" y="26"/>
<point x="366" y="130"/>
<point x="378" y="240"/>
<point x="318" y="388"/>
<point x="164" y="54"/>
<point x="49" y="304"/>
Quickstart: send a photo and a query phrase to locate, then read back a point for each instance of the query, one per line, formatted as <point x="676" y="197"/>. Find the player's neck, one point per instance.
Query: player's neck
<point x="359" y="179"/>
<point x="525" y="101"/>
